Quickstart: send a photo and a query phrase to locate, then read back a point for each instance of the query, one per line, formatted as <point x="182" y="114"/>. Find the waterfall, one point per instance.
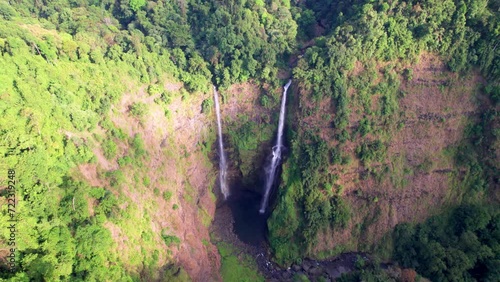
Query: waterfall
<point x="276" y="151"/>
<point x="222" y="162"/>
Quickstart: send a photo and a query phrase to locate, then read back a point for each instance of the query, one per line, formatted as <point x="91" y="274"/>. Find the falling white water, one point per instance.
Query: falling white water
<point x="271" y="169"/>
<point x="222" y="161"/>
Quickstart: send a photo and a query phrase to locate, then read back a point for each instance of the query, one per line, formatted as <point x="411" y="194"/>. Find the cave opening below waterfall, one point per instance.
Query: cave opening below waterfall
<point x="245" y="200"/>
<point x="249" y="225"/>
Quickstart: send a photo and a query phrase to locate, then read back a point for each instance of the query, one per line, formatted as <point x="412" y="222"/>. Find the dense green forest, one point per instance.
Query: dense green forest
<point x="65" y="65"/>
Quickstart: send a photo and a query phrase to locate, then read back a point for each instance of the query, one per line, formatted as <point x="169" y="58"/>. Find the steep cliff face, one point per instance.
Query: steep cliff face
<point x="384" y="154"/>
<point x="417" y="176"/>
<point x="250" y="116"/>
<point x="169" y="193"/>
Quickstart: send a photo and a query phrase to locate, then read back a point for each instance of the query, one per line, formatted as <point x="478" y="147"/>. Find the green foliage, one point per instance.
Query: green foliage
<point x="494" y="93"/>
<point x="65" y="64"/>
<point x="300" y="278"/>
<point x="57" y="86"/>
<point x="372" y="151"/>
<point x="360" y="262"/>
<point x="138" y="110"/>
<point x="364" y="127"/>
<point x="459" y="246"/>
<point x="245" y="137"/>
<point x="207" y="105"/>
<point x="124" y="161"/>
<point x="110" y="149"/>
<point x="138" y="146"/>
<point x="302" y="208"/>
<point x="167" y="195"/>
<point x="6" y="11"/>
<point x="367" y="271"/>
<point x="92" y="265"/>
<point x="237" y="268"/>
<point x="135" y="5"/>
<point x="154" y="89"/>
<point x="116" y="177"/>
<point x="175" y="273"/>
<point x="266" y="102"/>
<point x="146" y="181"/>
<point x="169" y="239"/>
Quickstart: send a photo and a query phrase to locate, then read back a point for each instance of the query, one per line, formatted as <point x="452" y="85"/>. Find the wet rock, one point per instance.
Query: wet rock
<point x="315" y="270"/>
<point x="306" y="265"/>
<point x="333" y="273"/>
<point x="286" y="275"/>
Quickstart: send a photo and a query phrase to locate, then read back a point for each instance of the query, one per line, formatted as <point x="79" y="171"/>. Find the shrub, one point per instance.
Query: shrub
<point x="146" y="181"/>
<point x="364" y="127"/>
<point x="154" y="89"/>
<point x="135" y="5"/>
<point x="408" y="74"/>
<point x="335" y="156"/>
<point x="116" y="177"/>
<point x="6" y="11"/>
<point x="167" y="195"/>
<point x="265" y="101"/>
<point x="138" y="146"/>
<point x="169" y="239"/>
<point x="207" y="106"/>
<point x="110" y="149"/>
<point x="166" y="97"/>
<point x="125" y="160"/>
<point x="138" y="110"/>
<point x="372" y="151"/>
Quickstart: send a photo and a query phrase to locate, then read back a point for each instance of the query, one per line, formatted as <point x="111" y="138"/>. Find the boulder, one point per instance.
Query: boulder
<point x="306" y="265"/>
<point x="333" y="272"/>
<point x="315" y="270"/>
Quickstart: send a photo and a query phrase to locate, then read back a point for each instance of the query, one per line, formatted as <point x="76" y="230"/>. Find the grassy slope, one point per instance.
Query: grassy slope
<point x="236" y="267"/>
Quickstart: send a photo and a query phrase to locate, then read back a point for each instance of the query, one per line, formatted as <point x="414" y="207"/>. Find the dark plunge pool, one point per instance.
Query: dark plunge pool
<point x="245" y="202"/>
<point x="249" y="225"/>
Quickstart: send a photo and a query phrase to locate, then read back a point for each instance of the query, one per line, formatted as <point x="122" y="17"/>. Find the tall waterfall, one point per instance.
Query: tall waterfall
<point x="275" y="161"/>
<point x="222" y="162"/>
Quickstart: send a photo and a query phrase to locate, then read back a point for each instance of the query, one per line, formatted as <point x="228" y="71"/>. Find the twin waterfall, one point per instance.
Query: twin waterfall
<point x="222" y="163"/>
<point x="271" y="169"/>
<point x="276" y="151"/>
